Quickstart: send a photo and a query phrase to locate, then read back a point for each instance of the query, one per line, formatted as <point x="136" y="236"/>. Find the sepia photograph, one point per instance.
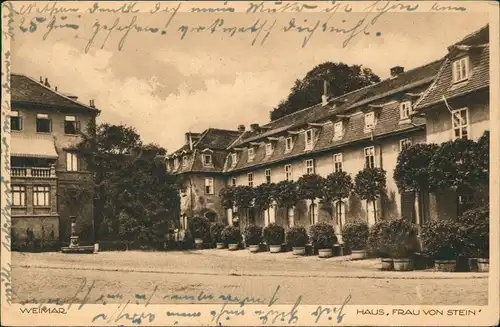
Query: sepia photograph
<point x="249" y="163"/>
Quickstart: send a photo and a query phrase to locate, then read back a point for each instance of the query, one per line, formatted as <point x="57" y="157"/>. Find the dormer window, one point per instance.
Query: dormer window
<point x="251" y="154"/>
<point x="234" y="159"/>
<point x="269" y="149"/>
<point x="338" y="130"/>
<point x="176" y="163"/>
<point x="207" y="160"/>
<point x="405" y="109"/>
<point x="461" y="69"/>
<point x="369" y="120"/>
<point x="185" y="161"/>
<point x="288" y="144"/>
<point x="309" y="139"/>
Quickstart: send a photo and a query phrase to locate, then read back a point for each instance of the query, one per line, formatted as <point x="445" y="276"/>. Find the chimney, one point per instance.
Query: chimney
<point x="241" y="128"/>
<point x="324" y="97"/>
<point x="72" y="97"/>
<point x="56" y="88"/>
<point x="91" y="103"/>
<point x="41" y="79"/>
<point x="395" y="71"/>
<point x="47" y="84"/>
<point x="254" y="127"/>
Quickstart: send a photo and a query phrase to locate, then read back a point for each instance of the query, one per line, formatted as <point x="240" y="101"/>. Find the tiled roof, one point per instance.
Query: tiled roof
<point x="215" y="138"/>
<point x="27" y="90"/>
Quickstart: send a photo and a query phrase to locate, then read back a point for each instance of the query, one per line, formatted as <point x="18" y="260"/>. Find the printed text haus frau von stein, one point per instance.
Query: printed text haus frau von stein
<point x="366" y="127"/>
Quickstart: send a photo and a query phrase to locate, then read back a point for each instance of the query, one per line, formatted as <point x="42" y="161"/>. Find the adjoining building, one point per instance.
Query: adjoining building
<point x="364" y="128"/>
<point x="49" y="179"/>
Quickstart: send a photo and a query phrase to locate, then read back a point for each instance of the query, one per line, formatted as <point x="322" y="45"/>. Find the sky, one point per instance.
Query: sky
<point x="165" y="87"/>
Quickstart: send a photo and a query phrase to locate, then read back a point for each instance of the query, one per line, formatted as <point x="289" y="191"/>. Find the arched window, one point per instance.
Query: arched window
<point x="313" y="213"/>
<point x="340" y="214"/>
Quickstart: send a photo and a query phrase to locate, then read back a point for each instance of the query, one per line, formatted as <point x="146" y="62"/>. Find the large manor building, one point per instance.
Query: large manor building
<point x="437" y="102"/>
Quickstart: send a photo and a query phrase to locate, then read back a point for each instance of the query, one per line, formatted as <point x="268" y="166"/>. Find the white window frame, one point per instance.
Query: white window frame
<point x="15" y="114"/>
<point x="184" y="161"/>
<point x="43" y="116"/>
<point x="309" y="164"/>
<point x="460" y="125"/>
<point x="207" y="164"/>
<point x="71" y="161"/>
<point x="338" y="164"/>
<point x="338" y="132"/>
<point x="309" y="140"/>
<point x="288" y="144"/>
<point x="234" y="159"/>
<point x="176" y="163"/>
<point x="209" y="185"/>
<point x="461" y="69"/>
<point x="269" y="149"/>
<point x="405" y="110"/>
<point x="367" y="154"/>
<point x="288" y="172"/>
<point x="251" y="154"/>
<point x="41" y="192"/>
<point x="267" y="174"/>
<point x="250" y="179"/>
<point x="367" y="125"/>
<point x="18" y="195"/>
<point x="405" y="142"/>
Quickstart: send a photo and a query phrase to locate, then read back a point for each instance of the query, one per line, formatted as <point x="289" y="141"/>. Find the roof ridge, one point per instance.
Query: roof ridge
<point x="224" y="130"/>
<point x="472" y="34"/>
<point x="434" y="83"/>
<point x="54" y="91"/>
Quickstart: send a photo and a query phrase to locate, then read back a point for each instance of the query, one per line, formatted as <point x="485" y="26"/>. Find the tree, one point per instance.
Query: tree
<point x="226" y="196"/>
<point x="263" y="197"/>
<point x="307" y="92"/>
<point x="286" y="195"/>
<point x="243" y="197"/>
<point x="412" y="171"/>
<point x="369" y="184"/>
<point x="337" y="186"/>
<point x="310" y="187"/>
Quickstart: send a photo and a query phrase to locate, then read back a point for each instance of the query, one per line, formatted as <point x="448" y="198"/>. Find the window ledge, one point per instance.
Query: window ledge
<point x="403" y="121"/>
<point x="75" y="135"/>
<point x="41" y="207"/>
<point x="46" y="133"/>
<point x="338" y="138"/>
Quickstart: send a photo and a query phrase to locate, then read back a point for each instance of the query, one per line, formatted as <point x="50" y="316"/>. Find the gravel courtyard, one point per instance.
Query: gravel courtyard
<point x="190" y="276"/>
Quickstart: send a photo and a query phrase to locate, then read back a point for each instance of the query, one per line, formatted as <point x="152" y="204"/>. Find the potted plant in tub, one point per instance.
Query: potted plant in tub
<point x="200" y="228"/>
<point x="297" y="237"/>
<point x="402" y="243"/>
<point x="378" y="243"/>
<point x="441" y="242"/>
<point x="232" y="237"/>
<point x="355" y="236"/>
<point x="274" y="236"/>
<point x="216" y="229"/>
<point x="476" y="236"/>
<point x="323" y="238"/>
<point x="253" y="237"/>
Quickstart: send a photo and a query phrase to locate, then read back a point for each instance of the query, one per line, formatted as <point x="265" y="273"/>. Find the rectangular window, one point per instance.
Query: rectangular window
<point x="268" y="176"/>
<point x="71" y="161"/>
<point x="234" y="159"/>
<point x="369" y="120"/>
<point x="15" y="121"/>
<point x="370" y="157"/>
<point x="43" y="123"/>
<point x="233" y="181"/>
<point x="209" y="185"/>
<point x="176" y="163"/>
<point x="309" y="166"/>
<point x="41" y="196"/>
<point x="250" y="179"/>
<point x="461" y="69"/>
<point x="18" y="195"/>
<point x="288" y="144"/>
<point x="338" y="130"/>
<point x="251" y="154"/>
<point x="404" y="144"/>
<point x="269" y="149"/>
<point x="288" y="172"/>
<point x="337" y="162"/>
<point x="70" y="125"/>
<point x="207" y="160"/>
<point x="460" y="124"/>
<point x="309" y="139"/>
<point x="405" y="109"/>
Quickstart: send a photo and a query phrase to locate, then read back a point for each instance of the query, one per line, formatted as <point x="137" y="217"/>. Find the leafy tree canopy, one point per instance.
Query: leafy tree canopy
<point x="412" y="169"/>
<point x="286" y="194"/>
<point x="264" y="196"/>
<point x="310" y="187"/>
<point x="337" y="186"/>
<point x="243" y="196"/>
<point x="370" y="183"/>
<point x="226" y="196"/>
<point x="341" y="79"/>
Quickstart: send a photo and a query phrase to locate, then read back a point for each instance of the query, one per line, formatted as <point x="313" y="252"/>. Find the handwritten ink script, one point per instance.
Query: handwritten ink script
<point x="99" y="24"/>
<point x="228" y="307"/>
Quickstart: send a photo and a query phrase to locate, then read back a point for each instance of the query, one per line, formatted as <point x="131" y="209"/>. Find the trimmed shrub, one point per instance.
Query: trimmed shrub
<point x="322" y="235"/>
<point x="200" y="227"/>
<point x="297" y="236"/>
<point x="441" y="239"/>
<point x="476" y="232"/>
<point x="274" y="234"/>
<point x="216" y="229"/>
<point x="355" y="235"/>
<point x="253" y="235"/>
<point x="378" y="239"/>
<point x="403" y="241"/>
<point x="231" y="235"/>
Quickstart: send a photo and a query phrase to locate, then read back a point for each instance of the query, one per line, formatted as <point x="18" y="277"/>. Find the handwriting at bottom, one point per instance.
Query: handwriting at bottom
<point x="327" y="312"/>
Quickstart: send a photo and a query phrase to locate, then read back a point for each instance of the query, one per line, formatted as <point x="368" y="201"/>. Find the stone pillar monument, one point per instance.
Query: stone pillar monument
<point x="74" y="238"/>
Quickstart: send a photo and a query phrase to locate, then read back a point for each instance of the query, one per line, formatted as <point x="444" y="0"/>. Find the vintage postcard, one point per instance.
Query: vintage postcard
<point x="237" y="163"/>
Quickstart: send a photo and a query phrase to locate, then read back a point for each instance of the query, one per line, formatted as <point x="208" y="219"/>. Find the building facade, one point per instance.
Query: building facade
<point x="49" y="179"/>
<point x="364" y="128"/>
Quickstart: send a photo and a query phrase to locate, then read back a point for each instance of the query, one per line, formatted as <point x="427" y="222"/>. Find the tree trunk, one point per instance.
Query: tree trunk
<point x="312" y="212"/>
<point x="374" y="212"/>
